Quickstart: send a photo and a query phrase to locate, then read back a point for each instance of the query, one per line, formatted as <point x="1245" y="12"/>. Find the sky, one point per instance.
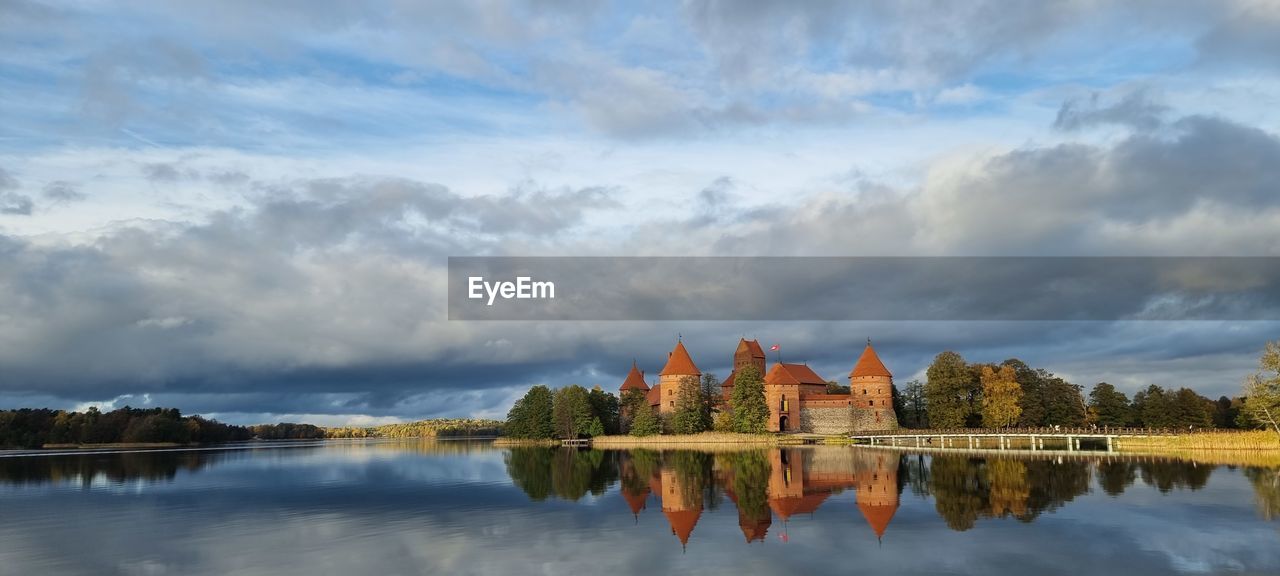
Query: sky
<point x="245" y="209"/>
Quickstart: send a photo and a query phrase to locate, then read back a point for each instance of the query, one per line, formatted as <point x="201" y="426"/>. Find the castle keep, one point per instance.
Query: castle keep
<point x="796" y="395"/>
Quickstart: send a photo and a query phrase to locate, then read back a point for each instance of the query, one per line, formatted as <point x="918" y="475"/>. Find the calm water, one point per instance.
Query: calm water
<point x="423" y="507"/>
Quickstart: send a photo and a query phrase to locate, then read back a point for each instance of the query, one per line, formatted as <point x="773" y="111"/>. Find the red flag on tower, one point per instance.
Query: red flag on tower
<point x="773" y="348"/>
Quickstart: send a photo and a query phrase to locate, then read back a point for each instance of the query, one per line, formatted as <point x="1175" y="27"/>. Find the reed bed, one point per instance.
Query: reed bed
<point x="1245" y="440"/>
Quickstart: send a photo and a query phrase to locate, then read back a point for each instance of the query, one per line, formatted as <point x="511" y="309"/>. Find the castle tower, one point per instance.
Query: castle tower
<point x="877" y="489"/>
<point x="748" y="353"/>
<point x="681" y="508"/>
<point x="634" y="381"/>
<point x="679" y="366"/>
<point x="870" y="383"/>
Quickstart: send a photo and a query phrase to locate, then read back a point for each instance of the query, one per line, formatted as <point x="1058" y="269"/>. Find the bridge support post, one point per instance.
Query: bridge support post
<point x="1109" y="446"/>
<point x="1071" y="444"/>
<point x="1033" y="443"/>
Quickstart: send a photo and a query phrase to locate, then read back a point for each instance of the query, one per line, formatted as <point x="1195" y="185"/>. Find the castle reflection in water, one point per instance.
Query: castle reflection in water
<point x="771" y="486"/>
<point x="764" y="485"/>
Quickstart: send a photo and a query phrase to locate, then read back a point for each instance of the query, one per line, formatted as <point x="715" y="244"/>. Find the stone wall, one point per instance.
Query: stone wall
<point x="819" y="419"/>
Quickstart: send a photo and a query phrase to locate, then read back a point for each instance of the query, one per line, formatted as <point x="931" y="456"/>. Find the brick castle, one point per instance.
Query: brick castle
<point x="797" y="397"/>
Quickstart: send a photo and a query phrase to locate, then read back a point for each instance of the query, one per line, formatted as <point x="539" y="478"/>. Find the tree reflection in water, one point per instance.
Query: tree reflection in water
<point x="772" y="485"/>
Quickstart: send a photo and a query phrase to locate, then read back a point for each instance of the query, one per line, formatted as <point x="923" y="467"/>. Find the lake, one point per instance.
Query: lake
<point x="467" y="507"/>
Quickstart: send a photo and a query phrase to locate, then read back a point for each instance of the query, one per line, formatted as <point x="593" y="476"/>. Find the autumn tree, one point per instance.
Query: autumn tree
<point x="750" y="409"/>
<point x="947" y="391"/>
<point x="1108" y="406"/>
<point x="1262" y="391"/>
<point x="1000" y="397"/>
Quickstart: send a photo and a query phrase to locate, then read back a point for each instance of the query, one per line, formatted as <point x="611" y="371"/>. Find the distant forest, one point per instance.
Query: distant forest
<point x="30" y="428"/>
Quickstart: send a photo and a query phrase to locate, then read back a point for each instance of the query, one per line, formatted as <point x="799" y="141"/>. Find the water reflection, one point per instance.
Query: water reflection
<point x="770" y="487"/>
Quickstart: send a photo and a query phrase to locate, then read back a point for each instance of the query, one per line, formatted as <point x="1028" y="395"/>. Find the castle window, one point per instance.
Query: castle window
<point x="871" y="402"/>
<point x="864" y="391"/>
<point x="671" y="404"/>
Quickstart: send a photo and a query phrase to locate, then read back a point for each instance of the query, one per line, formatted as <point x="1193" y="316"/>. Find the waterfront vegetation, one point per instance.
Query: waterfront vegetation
<point x="30" y="428"/>
<point x="957" y="395"/>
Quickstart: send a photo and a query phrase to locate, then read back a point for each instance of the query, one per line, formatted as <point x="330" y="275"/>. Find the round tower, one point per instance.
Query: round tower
<point x="679" y="366"/>
<point x="870" y="383"/>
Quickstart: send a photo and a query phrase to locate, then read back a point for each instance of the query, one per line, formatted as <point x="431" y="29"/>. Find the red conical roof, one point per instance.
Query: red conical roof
<point x="878" y="517"/>
<point x="679" y="363"/>
<point x="869" y="364"/>
<point x="635" y="500"/>
<point x="635" y="380"/>
<point x="682" y="522"/>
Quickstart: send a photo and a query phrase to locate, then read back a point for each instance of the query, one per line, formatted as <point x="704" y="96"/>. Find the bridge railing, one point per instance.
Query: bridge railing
<point x="1046" y="430"/>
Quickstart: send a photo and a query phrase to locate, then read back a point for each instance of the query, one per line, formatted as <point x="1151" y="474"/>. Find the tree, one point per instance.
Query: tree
<point x="1032" y="383"/>
<point x="1191" y="409"/>
<point x="645" y="422"/>
<point x="1262" y="391"/>
<point x="1152" y="408"/>
<point x="913" y="406"/>
<point x="750" y="409"/>
<point x="688" y="416"/>
<point x="1000" y="396"/>
<point x="834" y="387"/>
<point x="712" y="399"/>
<point x="571" y="412"/>
<point x="1063" y="401"/>
<point x="530" y="417"/>
<point x="1108" y="406"/>
<point x="604" y="405"/>
<point x="629" y="407"/>
<point x="1225" y="412"/>
<point x="947" y="391"/>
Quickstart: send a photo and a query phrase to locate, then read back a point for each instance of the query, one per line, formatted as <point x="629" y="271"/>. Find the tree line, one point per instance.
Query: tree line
<point x="959" y="394"/>
<point x="36" y="427"/>
<point x="574" y="412"/>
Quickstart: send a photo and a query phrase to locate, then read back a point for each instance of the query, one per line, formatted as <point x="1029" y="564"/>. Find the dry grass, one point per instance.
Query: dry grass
<point x="524" y="442"/>
<point x="1252" y="440"/>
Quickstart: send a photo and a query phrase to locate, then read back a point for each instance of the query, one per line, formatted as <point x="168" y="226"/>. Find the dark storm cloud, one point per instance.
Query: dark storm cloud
<point x="328" y="296"/>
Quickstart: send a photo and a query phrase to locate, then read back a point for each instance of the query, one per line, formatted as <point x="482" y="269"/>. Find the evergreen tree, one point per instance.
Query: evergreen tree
<point x="1262" y="391"/>
<point x="750" y="409"/>
<point x="1192" y="410"/>
<point x="1108" y="406"/>
<point x="1152" y="408"/>
<point x="1000" y="396"/>
<point x="688" y="416"/>
<point x="1063" y="401"/>
<point x="645" y="422"/>
<point x="530" y="417"/>
<point x="947" y="391"/>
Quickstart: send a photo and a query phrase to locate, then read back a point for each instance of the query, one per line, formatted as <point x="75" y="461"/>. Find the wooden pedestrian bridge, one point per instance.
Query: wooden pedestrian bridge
<point x="1033" y="439"/>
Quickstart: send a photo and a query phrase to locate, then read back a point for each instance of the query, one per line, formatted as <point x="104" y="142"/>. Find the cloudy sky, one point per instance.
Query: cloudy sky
<point x="245" y="209"/>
